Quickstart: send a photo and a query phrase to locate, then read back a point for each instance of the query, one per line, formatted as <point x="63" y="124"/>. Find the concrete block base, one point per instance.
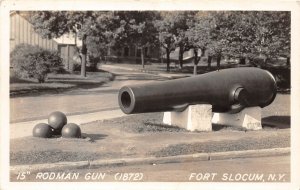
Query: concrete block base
<point x="248" y="118"/>
<point x="193" y="118"/>
<point x="200" y="118"/>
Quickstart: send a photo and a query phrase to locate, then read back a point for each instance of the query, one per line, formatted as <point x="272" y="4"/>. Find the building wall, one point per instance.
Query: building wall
<point x="21" y="31"/>
<point x="67" y="52"/>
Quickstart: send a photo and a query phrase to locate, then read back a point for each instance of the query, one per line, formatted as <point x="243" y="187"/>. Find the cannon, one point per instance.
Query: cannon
<point x="229" y="90"/>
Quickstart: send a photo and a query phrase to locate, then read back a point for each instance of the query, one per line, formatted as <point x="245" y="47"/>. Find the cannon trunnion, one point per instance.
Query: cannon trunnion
<point x="228" y="90"/>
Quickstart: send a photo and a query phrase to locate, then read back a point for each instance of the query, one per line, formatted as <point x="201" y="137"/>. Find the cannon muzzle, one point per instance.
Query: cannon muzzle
<point x="228" y="90"/>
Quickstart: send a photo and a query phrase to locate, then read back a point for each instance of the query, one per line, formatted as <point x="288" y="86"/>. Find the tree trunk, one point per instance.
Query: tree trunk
<point x="83" y="65"/>
<point x="83" y="57"/>
<point x="203" y="52"/>
<point x="265" y="62"/>
<point x="195" y="69"/>
<point x="71" y="67"/>
<point x="181" y="57"/>
<point x="168" y="59"/>
<point x="242" y="61"/>
<point x="218" y="62"/>
<point x="142" y="57"/>
<point x="161" y="56"/>
<point x="209" y="58"/>
<point x="196" y="60"/>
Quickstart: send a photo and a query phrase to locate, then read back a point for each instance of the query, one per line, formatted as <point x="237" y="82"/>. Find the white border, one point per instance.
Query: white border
<point x="286" y="5"/>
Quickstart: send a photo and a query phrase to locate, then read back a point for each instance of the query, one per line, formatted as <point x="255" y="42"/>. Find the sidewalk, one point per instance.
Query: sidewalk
<point x="24" y="129"/>
<point x="150" y="160"/>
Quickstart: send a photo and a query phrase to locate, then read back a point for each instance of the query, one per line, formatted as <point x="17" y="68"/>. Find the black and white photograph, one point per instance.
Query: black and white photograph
<point x="124" y="97"/>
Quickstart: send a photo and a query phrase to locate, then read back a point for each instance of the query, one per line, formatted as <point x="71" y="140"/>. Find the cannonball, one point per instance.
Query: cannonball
<point x="57" y="120"/>
<point x="42" y="130"/>
<point x="71" y="130"/>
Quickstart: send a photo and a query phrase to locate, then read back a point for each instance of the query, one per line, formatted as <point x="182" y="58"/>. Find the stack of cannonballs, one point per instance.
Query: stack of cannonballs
<point x="57" y="125"/>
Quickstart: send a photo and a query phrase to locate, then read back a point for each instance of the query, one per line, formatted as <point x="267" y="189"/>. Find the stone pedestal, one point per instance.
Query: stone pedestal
<point x="248" y="118"/>
<point x="200" y="118"/>
<point x="193" y="118"/>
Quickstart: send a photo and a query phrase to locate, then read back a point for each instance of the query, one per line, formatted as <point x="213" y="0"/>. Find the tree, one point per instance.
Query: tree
<point x="138" y="28"/>
<point x="239" y="31"/>
<point x="53" y="24"/>
<point x="251" y="34"/>
<point x="198" y="35"/>
<point x="104" y="32"/>
<point x="218" y="38"/>
<point x="221" y="35"/>
<point x="166" y="26"/>
<point x="182" y="41"/>
<point x="273" y="34"/>
<point x="183" y="45"/>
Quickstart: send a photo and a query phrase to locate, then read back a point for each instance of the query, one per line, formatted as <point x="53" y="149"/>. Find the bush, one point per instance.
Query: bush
<point x="34" y="62"/>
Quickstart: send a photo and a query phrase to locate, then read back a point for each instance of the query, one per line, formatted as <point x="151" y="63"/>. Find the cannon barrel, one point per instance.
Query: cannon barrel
<point x="228" y="90"/>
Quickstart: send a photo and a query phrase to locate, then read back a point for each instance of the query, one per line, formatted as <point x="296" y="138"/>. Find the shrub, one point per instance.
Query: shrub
<point x="35" y="62"/>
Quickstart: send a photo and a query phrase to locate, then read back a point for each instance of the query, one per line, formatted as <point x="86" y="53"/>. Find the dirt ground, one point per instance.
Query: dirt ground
<point x="140" y="136"/>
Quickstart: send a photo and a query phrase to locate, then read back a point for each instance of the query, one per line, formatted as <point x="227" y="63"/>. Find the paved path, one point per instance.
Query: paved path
<point x="81" y="106"/>
<point x="23" y="129"/>
<point x="76" y="101"/>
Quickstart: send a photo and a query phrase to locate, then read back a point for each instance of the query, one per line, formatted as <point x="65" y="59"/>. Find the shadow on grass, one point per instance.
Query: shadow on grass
<point x="83" y="85"/>
<point x="17" y="80"/>
<point x="75" y="83"/>
<point x="218" y="127"/>
<point x="276" y="122"/>
<point x="165" y="126"/>
<point x="279" y="122"/>
<point x="152" y="127"/>
<point x="94" y="137"/>
<point x="202" y="68"/>
<point x="140" y="77"/>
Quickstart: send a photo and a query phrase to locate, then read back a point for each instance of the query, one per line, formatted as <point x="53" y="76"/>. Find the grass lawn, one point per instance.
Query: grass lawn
<point x="56" y="82"/>
<point x="174" y="66"/>
<point x="141" y="135"/>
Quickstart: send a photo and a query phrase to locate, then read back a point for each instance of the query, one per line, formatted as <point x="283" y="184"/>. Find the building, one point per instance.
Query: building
<point x="22" y="32"/>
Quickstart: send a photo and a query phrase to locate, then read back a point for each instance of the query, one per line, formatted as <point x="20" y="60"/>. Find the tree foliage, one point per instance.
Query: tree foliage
<point x="273" y="34"/>
<point x="233" y="34"/>
<point x="87" y="25"/>
<point x="138" y="29"/>
<point x="167" y="25"/>
<point x="182" y="41"/>
<point x="199" y="35"/>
